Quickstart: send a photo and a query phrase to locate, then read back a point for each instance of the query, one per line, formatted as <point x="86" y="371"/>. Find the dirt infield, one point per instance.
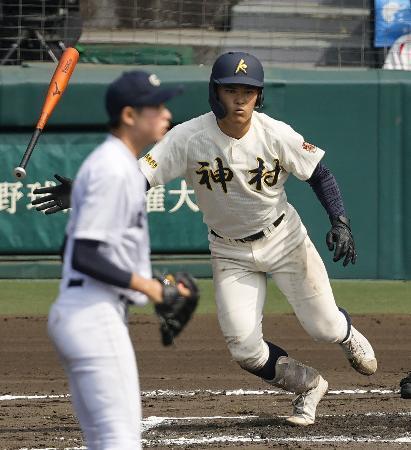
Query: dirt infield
<point x="194" y="396"/>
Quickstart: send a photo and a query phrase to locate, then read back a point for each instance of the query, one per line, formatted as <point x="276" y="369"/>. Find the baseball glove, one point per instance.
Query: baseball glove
<point x="176" y="310"/>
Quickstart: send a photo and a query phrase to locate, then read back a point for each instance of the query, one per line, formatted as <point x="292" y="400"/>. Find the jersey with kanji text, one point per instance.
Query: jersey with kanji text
<point x="238" y="183"/>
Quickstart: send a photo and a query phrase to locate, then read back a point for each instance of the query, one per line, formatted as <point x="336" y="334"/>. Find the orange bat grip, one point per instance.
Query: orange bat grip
<point x="58" y="84"/>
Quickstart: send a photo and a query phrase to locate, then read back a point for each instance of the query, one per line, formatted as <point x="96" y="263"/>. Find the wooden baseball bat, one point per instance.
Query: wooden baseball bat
<point x="56" y="89"/>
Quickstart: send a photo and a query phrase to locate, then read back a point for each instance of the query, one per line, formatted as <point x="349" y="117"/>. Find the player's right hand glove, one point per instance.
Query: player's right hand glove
<point x="340" y="235"/>
<point x="176" y="310"/>
<point x="58" y="198"/>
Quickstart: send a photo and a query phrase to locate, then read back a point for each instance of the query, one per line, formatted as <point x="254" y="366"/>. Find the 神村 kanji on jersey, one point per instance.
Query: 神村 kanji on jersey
<point x="238" y="183"/>
<point x="108" y="201"/>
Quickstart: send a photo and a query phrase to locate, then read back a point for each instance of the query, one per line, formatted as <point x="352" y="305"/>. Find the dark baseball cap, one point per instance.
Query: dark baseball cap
<point x="137" y="89"/>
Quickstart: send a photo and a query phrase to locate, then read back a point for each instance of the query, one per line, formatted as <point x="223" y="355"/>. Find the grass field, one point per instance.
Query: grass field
<point x="33" y="297"/>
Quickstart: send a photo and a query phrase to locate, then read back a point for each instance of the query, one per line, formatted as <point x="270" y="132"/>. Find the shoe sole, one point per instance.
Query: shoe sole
<point x="300" y="421"/>
<point x="365" y="367"/>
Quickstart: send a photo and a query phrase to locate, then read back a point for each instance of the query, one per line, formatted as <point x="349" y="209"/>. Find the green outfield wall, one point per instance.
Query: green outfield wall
<point x="361" y="118"/>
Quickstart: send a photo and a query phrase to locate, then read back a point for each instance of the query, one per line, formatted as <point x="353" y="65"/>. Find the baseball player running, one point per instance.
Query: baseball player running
<point x="107" y="266"/>
<point x="238" y="160"/>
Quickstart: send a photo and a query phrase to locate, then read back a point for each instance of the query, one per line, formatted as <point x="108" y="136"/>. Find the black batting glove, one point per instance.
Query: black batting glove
<point x="340" y="239"/>
<point x="58" y="198"/>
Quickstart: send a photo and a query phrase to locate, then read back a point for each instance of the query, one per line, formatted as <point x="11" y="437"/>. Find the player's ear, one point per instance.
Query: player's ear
<point x="128" y="116"/>
<point x="260" y="99"/>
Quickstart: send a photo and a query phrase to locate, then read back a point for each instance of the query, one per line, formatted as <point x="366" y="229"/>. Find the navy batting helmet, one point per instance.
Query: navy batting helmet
<point x="234" y="68"/>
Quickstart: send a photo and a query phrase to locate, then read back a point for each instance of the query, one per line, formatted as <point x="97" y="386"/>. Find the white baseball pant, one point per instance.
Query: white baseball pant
<point x="240" y="283"/>
<point x="92" y="340"/>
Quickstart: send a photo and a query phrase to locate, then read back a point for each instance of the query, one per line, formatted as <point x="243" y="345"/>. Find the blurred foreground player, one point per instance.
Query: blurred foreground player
<point x="107" y="266"/>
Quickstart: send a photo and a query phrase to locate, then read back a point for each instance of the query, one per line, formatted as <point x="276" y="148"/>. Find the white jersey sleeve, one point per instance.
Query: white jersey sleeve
<point x="167" y="160"/>
<point x="296" y="155"/>
<point x="399" y="56"/>
<point x="102" y="211"/>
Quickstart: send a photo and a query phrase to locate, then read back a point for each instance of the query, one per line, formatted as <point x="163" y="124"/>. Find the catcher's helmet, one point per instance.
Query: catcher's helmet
<point x="235" y="68"/>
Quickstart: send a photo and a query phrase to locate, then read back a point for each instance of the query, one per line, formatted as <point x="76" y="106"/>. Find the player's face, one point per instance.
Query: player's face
<point x="155" y="121"/>
<point x="150" y="124"/>
<point x="239" y="101"/>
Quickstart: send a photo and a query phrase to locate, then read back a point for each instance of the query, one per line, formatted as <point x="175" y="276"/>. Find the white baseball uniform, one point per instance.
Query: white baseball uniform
<point x="239" y="187"/>
<point x="399" y="56"/>
<point x="87" y="323"/>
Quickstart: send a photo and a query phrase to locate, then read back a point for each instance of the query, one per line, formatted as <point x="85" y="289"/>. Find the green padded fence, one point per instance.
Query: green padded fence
<point x="361" y="118"/>
<point x="46" y="267"/>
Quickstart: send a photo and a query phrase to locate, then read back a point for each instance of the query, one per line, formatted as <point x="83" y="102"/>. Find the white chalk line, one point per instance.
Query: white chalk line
<point x="258" y="440"/>
<point x="370" y="414"/>
<point x="5" y="398"/>
<point x="199" y="392"/>
<point x="242" y="392"/>
<point x="205" y="440"/>
<point x="53" y="448"/>
<point x="154" y="421"/>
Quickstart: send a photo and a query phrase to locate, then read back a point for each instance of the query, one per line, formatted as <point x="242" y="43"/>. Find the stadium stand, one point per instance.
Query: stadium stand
<point x="283" y="33"/>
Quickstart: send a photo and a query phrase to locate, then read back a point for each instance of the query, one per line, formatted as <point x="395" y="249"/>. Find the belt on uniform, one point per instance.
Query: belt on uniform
<point x="78" y="282"/>
<point x="255" y="236"/>
<point x="75" y="282"/>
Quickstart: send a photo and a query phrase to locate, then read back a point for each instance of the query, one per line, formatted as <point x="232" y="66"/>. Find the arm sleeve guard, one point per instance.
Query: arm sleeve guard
<point x="325" y="186"/>
<point x="89" y="260"/>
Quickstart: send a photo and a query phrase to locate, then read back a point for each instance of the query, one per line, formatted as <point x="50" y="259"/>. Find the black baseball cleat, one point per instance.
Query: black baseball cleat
<point x="405" y="385"/>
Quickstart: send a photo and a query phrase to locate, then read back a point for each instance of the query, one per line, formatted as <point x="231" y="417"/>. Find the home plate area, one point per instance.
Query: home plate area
<point x="337" y="425"/>
<point x="195" y="396"/>
<point x="246" y="419"/>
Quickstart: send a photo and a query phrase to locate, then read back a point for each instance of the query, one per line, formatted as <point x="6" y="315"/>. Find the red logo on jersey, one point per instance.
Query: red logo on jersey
<point x="309" y="147"/>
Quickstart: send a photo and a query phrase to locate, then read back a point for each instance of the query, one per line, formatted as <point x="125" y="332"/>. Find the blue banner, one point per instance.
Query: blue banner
<point x="392" y="20"/>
